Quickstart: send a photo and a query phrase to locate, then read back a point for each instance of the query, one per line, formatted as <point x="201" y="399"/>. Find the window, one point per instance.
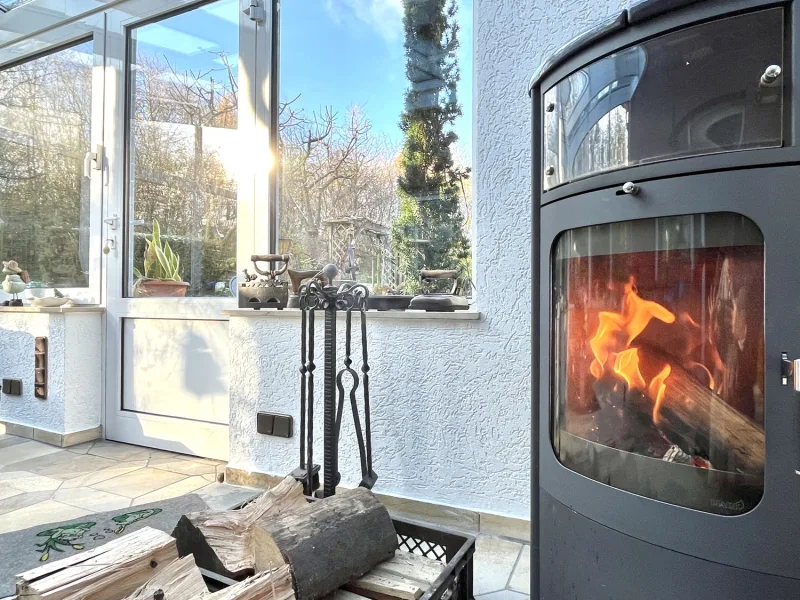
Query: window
<point x="375" y="138"/>
<point x="45" y="121"/>
<point x="694" y="91"/>
<point x="183" y="146"/>
<point x="658" y="358"/>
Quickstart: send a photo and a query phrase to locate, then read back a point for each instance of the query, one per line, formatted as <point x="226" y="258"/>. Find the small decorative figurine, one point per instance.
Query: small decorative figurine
<point x="15" y="282"/>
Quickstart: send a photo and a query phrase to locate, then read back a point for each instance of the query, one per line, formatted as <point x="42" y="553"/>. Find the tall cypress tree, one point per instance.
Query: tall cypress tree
<point x="429" y="231"/>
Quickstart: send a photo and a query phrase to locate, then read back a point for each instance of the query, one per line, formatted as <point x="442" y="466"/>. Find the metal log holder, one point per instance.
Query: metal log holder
<point x="318" y="296"/>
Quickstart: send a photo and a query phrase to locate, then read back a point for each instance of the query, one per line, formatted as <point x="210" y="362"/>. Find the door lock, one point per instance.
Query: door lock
<point x="109" y="245"/>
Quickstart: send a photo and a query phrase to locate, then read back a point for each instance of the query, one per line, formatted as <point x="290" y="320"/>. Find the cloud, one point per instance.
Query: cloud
<point x="384" y="17"/>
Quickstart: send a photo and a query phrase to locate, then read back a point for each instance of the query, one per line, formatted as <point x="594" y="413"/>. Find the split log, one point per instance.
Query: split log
<point x="412" y="566"/>
<point x="341" y="594"/>
<point x="327" y="543"/>
<point x="405" y="576"/>
<point x="386" y="586"/>
<point x="108" y="572"/>
<point x="221" y="539"/>
<point x="180" y="580"/>
<point x="269" y="585"/>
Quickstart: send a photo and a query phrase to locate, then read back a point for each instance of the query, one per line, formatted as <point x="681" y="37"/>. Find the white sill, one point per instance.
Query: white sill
<point x="400" y="315"/>
<point x="86" y="308"/>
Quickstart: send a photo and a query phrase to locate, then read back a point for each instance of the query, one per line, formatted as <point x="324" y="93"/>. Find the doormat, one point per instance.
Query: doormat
<point x="27" y="549"/>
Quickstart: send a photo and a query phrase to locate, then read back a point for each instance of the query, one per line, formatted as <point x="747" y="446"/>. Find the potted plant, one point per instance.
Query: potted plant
<point x="161" y="275"/>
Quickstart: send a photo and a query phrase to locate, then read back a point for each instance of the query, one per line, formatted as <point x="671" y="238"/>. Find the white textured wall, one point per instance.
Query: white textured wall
<point x="451" y="401"/>
<point x="17" y="333"/>
<point x="74" y="384"/>
<point x="83" y="364"/>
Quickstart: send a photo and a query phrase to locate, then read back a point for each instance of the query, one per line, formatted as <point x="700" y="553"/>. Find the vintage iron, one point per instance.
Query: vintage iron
<point x="296" y="279"/>
<point x="440" y="302"/>
<point x="316" y="296"/>
<point x="267" y="291"/>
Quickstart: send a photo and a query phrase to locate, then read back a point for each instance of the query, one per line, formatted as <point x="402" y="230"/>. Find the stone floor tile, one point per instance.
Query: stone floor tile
<point x="120" y="468"/>
<point x="25" y="451"/>
<point x="210" y="478"/>
<point x="495" y="559"/>
<point x="40" y="513"/>
<point x="503" y="595"/>
<point x="6" y="491"/>
<point x="208" y="461"/>
<point x="184" y="467"/>
<point x="25" y="481"/>
<point x="221" y="496"/>
<point x="91" y="499"/>
<point x="11" y="440"/>
<point x="117" y="451"/>
<point x="81" y="448"/>
<point x="521" y="579"/>
<point x="23" y="500"/>
<point x="63" y="465"/>
<point x="180" y="488"/>
<point x="139" y="482"/>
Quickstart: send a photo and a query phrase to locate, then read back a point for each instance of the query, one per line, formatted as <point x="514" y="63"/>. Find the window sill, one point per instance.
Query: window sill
<point x="88" y="308"/>
<point x="393" y="315"/>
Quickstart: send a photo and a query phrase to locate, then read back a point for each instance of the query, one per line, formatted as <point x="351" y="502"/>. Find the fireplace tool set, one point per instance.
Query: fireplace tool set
<point x="317" y="296"/>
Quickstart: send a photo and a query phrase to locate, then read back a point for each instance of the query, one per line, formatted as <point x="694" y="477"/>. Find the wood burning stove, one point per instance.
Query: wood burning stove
<point x="666" y="209"/>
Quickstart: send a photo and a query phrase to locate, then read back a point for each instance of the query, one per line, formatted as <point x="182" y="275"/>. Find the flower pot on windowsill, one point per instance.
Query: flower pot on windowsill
<point x="149" y="288"/>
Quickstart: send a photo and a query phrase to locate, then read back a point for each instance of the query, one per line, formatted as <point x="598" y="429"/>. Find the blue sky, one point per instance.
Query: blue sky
<point x="333" y="53"/>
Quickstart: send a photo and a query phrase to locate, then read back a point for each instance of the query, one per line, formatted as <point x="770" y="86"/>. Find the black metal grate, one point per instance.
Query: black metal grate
<point x="421" y="547"/>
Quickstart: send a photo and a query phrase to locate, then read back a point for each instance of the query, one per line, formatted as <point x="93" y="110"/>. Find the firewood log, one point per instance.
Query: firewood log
<point x="220" y="539"/>
<point x="180" y="580"/>
<point x="697" y="419"/>
<point x="328" y="542"/>
<point x="108" y="572"/>
<point x="269" y="585"/>
<point x="405" y="576"/>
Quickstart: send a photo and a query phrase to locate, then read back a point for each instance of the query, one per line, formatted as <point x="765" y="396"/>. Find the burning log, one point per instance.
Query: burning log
<point x="693" y="415"/>
<point x="220" y="540"/>
<point x="108" y="572"/>
<point x="326" y="543"/>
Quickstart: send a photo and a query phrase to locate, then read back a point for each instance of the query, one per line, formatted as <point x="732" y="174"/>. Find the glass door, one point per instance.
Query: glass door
<point x="50" y="170"/>
<point x="185" y="188"/>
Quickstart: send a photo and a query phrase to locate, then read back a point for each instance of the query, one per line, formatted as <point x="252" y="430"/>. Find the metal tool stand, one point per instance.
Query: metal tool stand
<point x="315" y="297"/>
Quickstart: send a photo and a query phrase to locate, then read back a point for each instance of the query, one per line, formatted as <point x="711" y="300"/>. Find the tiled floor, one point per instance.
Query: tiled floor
<point x="41" y="484"/>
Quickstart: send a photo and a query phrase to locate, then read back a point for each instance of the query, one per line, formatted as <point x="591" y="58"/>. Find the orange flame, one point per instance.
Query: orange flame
<point x="627" y="366"/>
<point x="616" y="331"/>
<point x="656" y="391"/>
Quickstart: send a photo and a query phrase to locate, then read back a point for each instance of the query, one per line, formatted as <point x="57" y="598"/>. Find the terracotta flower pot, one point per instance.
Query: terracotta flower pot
<point x="156" y="288"/>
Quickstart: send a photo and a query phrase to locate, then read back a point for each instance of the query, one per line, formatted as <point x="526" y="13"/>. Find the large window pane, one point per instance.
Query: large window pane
<point x="45" y="120"/>
<point x="183" y="146"/>
<point x="376" y="137"/>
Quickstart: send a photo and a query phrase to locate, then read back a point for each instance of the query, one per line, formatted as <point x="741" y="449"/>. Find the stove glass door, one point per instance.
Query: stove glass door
<point x="658" y="358"/>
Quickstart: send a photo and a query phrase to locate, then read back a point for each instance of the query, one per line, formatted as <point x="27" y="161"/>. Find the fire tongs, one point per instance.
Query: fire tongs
<point x="315" y="296"/>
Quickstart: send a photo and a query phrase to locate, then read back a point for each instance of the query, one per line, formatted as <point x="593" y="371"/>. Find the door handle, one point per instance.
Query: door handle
<point x="112" y="222"/>
<point x="96" y="157"/>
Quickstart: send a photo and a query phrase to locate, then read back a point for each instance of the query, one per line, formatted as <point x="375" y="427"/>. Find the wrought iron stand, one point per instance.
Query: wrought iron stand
<point x="349" y="297"/>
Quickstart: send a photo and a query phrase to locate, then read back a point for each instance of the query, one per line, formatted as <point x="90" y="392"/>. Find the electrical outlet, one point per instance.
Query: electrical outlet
<point x="277" y="425"/>
<point x="12" y="387"/>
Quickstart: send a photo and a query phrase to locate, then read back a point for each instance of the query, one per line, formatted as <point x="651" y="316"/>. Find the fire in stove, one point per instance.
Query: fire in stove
<point x="660" y="354"/>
